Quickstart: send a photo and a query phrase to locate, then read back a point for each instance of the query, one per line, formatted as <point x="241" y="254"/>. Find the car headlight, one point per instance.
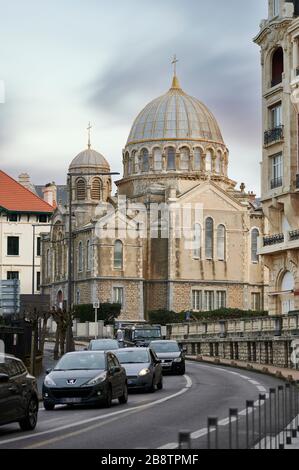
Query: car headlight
<point x="97" y="380"/>
<point x="144" y="372"/>
<point x="48" y="381"/>
<point x="177" y="359"/>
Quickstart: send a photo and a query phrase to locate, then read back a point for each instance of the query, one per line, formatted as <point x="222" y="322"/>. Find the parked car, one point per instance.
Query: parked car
<point x="85" y="377"/>
<point x="143" y="368"/>
<point x="103" y="345"/>
<point x="18" y="394"/>
<point x="171" y="356"/>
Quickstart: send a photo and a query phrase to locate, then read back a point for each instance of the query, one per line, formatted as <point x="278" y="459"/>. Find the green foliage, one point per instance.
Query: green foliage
<point x="163" y="317"/>
<point x="107" y="312"/>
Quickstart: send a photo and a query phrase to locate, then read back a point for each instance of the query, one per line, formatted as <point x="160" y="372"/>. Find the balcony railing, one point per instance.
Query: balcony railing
<point x="276" y="182"/>
<point x="274" y="239"/>
<point x="294" y="235"/>
<point x="273" y="135"/>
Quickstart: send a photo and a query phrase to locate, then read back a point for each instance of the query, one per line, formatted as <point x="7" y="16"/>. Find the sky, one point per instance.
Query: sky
<point x="64" y="63"/>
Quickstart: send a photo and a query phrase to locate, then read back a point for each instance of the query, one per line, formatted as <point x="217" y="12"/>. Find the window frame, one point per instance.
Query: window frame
<point x="9" y="248"/>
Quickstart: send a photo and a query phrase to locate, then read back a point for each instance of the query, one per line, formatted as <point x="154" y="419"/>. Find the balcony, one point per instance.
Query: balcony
<point x="273" y="135"/>
<point x="273" y="239"/>
<point x="276" y="182"/>
<point x="294" y="235"/>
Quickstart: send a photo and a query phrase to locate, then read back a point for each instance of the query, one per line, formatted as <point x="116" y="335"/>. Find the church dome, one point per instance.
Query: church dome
<point x="175" y="115"/>
<point x="90" y="159"/>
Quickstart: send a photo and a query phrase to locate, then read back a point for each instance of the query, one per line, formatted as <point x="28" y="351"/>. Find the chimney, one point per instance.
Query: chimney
<point x="50" y="194"/>
<point x="24" y="180"/>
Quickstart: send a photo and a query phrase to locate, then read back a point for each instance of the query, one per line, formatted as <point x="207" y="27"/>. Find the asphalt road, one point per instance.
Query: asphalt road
<point x="149" y="420"/>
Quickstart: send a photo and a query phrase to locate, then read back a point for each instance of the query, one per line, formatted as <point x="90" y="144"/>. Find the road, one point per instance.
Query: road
<point x="149" y="420"/>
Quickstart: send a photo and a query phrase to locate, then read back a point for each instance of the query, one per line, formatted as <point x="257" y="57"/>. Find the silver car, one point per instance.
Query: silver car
<point x="143" y="368"/>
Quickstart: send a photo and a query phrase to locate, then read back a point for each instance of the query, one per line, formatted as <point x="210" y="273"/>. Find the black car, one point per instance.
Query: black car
<point x="143" y="368"/>
<point x="85" y="377"/>
<point x="18" y="394"/>
<point x="171" y="356"/>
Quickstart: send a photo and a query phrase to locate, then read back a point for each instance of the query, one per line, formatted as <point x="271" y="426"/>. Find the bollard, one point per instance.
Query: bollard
<point x="287" y="412"/>
<point x="212" y="423"/>
<point x="233" y="413"/>
<point x="249" y="404"/>
<point x="293" y="412"/>
<point x="184" y="440"/>
<point x="262" y="398"/>
<point x="272" y="393"/>
<point x="281" y="422"/>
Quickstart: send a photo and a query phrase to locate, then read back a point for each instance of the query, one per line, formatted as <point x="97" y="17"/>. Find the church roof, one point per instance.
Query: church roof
<point x="175" y="115"/>
<point x="16" y="198"/>
<point x="90" y="158"/>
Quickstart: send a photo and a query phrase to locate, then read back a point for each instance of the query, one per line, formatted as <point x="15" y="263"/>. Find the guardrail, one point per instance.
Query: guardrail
<point x="270" y="422"/>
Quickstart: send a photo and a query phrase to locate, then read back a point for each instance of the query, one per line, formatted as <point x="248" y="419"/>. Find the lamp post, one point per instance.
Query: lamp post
<point x="69" y="332"/>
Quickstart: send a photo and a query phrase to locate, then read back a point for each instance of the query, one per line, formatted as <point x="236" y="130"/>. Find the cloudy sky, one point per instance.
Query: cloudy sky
<point x="67" y="62"/>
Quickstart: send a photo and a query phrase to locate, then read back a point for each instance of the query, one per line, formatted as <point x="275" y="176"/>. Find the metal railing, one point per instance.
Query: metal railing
<point x="274" y="239"/>
<point x="270" y="422"/>
<point x="273" y="135"/>
<point x="276" y="182"/>
<point x="294" y="235"/>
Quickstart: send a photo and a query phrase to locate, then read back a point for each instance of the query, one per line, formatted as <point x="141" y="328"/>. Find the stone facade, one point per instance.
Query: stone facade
<point x="179" y="235"/>
<point x="279" y="42"/>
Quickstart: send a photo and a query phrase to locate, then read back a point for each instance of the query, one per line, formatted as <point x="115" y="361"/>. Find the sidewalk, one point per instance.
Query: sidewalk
<point x="291" y="375"/>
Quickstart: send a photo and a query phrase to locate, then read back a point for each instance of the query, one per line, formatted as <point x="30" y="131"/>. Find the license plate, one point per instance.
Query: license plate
<point x="166" y="364"/>
<point x="72" y="400"/>
<point x="130" y="382"/>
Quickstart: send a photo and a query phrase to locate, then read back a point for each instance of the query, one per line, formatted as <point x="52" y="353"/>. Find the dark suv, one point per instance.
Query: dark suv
<point x="18" y="394"/>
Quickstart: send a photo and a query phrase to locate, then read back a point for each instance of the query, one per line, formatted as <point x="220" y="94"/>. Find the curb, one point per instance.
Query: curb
<point x="265" y="370"/>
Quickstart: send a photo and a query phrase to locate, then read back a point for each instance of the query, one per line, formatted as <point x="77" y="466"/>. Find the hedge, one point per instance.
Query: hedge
<point x="107" y="312"/>
<point x="163" y="317"/>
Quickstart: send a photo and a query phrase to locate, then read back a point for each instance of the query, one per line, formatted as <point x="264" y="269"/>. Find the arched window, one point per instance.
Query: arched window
<point x="208" y="161"/>
<point x="170" y="158"/>
<point x="184" y="158"/>
<point x="197" y="158"/>
<point x="80" y="189"/>
<point x="221" y="242"/>
<point x="89" y="255"/>
<point x="130" y="165"/>
<point x="78" y="297"/>
<point x="218" y="162"/>
<point x="197" y="241"/>
<point x="277" y="66"/>
<point x="157" y="159"/>
<point x="254" y="238"/>
<point x="96" y="189"/>
<point x="145" y="160"/>
<point x="209" y="239"/>
<point x="136" y="162"/>
<point x="80" y="257"/>
<point x="118" y="255"/>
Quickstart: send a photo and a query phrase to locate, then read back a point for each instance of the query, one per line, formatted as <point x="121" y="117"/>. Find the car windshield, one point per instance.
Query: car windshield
<point x="150" y="333"/>
<point x="104" y="345"/>
<point x="165" y="347"/>
<point x="81" y="361"/>
<point x="139" y="356"/>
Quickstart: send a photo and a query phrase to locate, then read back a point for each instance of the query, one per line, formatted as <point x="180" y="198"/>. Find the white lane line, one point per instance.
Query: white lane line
<point x="98" y="418"/>
<point x="261" y="388"/>
<point x="199" y="433"/>
<point x="171" y="445"/>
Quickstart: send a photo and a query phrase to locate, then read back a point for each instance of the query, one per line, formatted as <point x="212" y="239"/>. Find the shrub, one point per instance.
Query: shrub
<point x="107" y="312"/>
<point x="163" y="317"/>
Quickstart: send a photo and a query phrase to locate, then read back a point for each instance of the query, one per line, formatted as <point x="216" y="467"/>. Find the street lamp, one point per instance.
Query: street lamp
<point x="69" y="333"/>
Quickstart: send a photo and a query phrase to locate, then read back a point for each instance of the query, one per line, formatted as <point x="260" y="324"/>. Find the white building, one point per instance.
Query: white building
<point x="23" y="216"/>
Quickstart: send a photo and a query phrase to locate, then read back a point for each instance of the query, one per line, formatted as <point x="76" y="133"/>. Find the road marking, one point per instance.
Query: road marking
<point x="98" y="418"/>
<point x="171" y="445"/>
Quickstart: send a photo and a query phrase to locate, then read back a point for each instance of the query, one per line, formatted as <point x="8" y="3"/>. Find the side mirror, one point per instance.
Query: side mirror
<point x="48" y="371"/>
<point x="4" y="378"/>
<point x="184" y="349"/>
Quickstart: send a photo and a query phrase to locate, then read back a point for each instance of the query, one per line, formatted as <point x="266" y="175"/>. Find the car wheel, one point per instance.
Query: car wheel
<point x="160" y="384"/>
<point x="108" y="399"/>
<point x="49" y="406"/>
<point x="29" y="422"/>
<point x="182" y="371"/>
<point x="124" y="397"/>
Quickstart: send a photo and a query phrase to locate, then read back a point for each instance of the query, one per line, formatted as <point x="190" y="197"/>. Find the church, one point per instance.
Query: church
<point x="177" y="235"/>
